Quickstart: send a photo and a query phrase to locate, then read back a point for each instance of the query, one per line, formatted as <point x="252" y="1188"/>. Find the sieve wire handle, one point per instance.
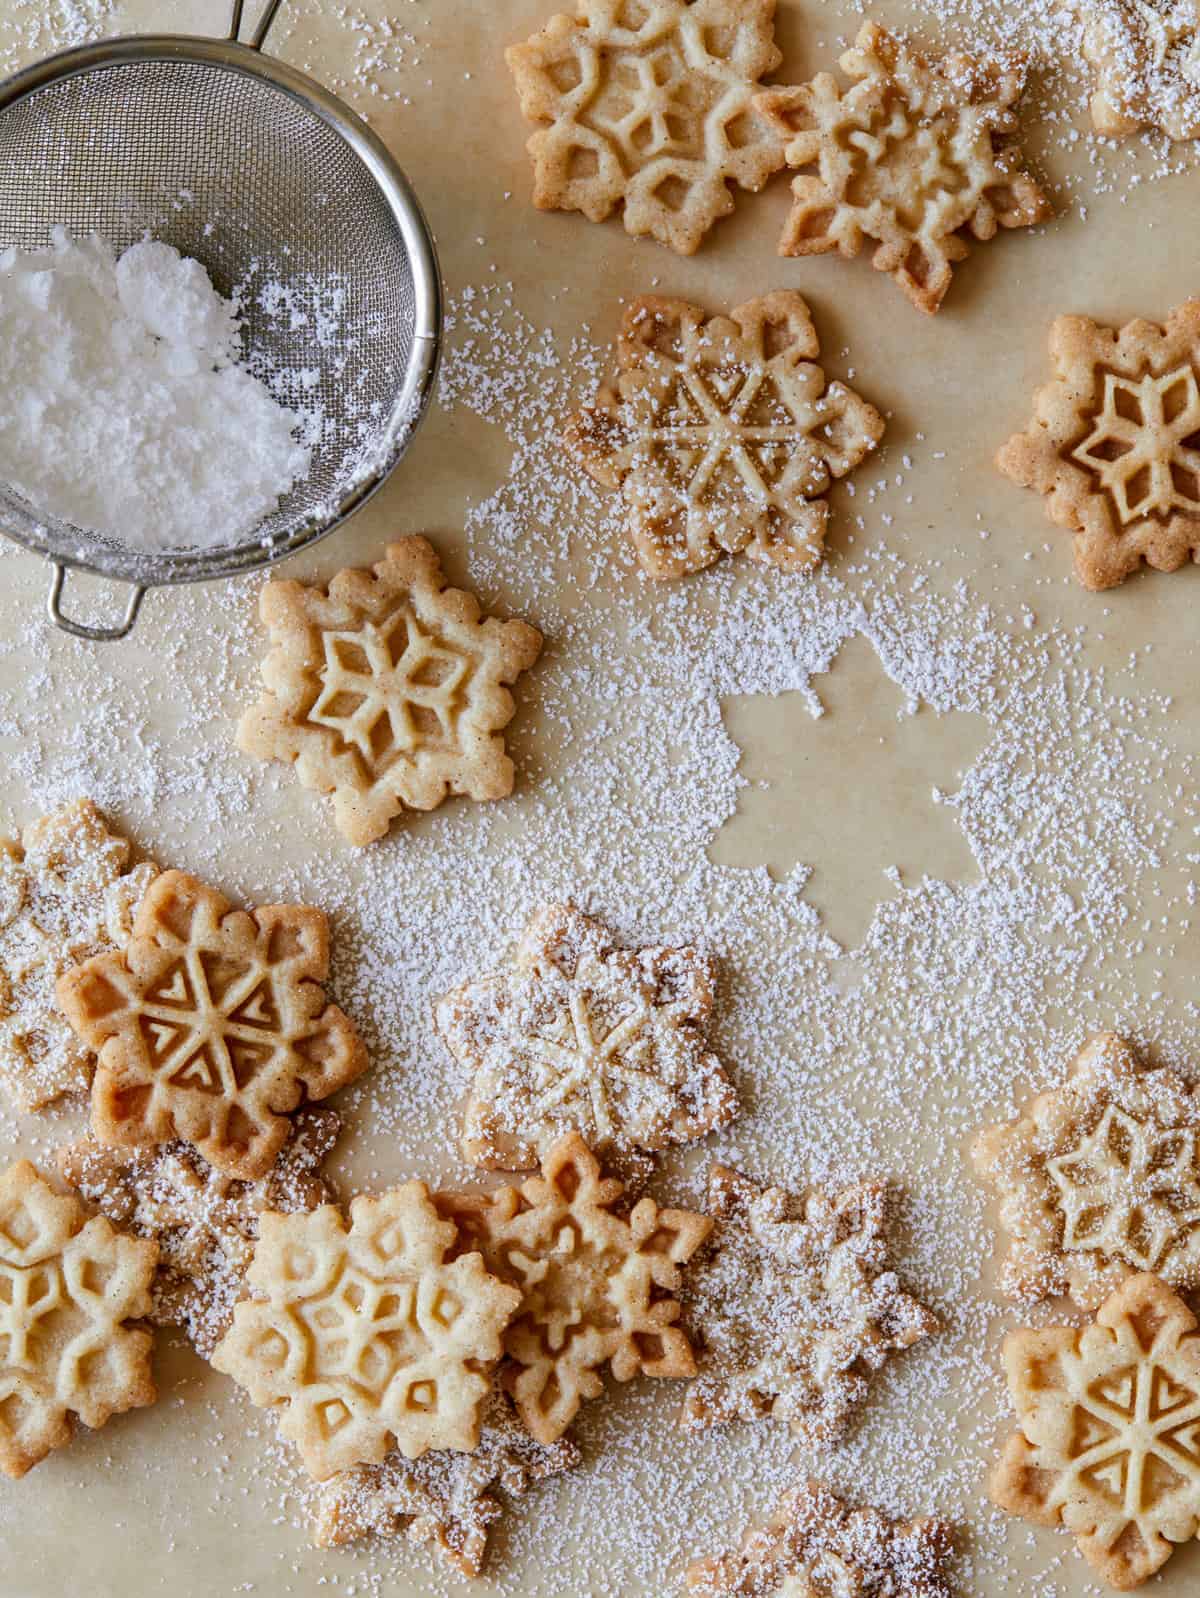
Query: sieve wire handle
<point x="78" y="629"/>
<point x="259" y="37"/>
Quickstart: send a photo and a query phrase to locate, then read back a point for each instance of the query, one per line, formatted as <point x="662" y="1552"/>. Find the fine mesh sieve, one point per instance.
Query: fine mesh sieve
<point x="267" y="179"/>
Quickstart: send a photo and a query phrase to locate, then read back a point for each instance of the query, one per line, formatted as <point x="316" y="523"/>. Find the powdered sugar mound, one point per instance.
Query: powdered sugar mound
<point x="123" y="408"/>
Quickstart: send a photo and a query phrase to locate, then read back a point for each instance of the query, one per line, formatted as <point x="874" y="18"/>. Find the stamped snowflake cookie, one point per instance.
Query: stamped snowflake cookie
<point x="1147" y="59"/>
<point x="795" y="1306"/>
<point x="369" y="1337"/>
<point x="1109" y="1445"/>
<point x="596" y="1289"/>
<point x="211" y="1025"/>
<point x="67" y="892"/>
<point x="1100" y="1179"/>
<point x="649" y="104"/>
<point x="816" y="1546"/>
<point x="205" y="1222"/>
<point x="444" y="1499"/>
<point x="916" y="156"/>
<point x="723" y="434"/>
<point x="387" y="689"/>
<point x="1114" y="443"/>
<point x="581" y="1035"/>
<point x="69" y="1288"/>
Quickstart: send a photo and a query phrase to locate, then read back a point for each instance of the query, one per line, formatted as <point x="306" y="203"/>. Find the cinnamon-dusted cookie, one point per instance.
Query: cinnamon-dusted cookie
<point x="723" y="434"/>
<point x="649" y="105"/>
<point x="1114" y="443"/>
<point x="918" y="155"/>
<point x="211" y="1025"/>
<point x="1109" y="1445"/>
<point x="1147" y="59"/>
<point x="580" y="1034"/>
<point x="204" y="1222"/>
<point x="444" y="1499"/>
<point x="1099" y="1179"/>
<point x="794" y="1305"/>
<point x="387" y="690"/>
<point x="70" y="1291"/>
<point x="597" y="1289"/>
<point x="67" y="892"/>
<point x="817" y="1546"/>
<point x="367" y="1337"/>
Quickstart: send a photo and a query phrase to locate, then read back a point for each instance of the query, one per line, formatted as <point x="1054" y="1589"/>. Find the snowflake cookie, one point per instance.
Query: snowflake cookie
<point x="1109" y="1445"/>
<point x="205" y="1223"/>
<point x="67" y="892"/>
<point x="816" y="1546"/>
<point x="1147" y="59"/>
<point x="795" y="1306"/>
<point x="918" y="154"/>
<point x="649" y="104"/>
<point x="367" y="1338"/>
<point x="1114" y="444"/>
<point x="211" y="1025"/>
<point x="581" y="1035"/>
<point x="445" y="1499"/>
<point x="596" y="1289"/>
<point x="387" y="689"/>
<point x="1099" y="1179"/>
<point x="723" y="434"/>
<point x="68" y="1289"/>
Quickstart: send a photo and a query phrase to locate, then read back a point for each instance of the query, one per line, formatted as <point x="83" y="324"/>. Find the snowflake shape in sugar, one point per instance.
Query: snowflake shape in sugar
<point x="68" y="1289"/>
<point x="1114" y="443"/>
<point x="387" y="689"/>
<point x="723" y="434"/>
<point x="648" y="104"/>
<point x="367" y="1338"/>
<point x="795" y="1306"/>
<point x="597" y="1289"/>
<point x="211" y="1025"/>
<point x="1109" y="1445"/>
<point x="916" y="155"/>
<point x="580" y="1034"/>
<point x="67" y="892"/>
<point x="1147" y="62"/>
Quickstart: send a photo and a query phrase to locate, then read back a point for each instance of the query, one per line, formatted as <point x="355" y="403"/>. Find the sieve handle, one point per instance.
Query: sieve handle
<point x="264" y="23"/>
<point x="78" y="629"/>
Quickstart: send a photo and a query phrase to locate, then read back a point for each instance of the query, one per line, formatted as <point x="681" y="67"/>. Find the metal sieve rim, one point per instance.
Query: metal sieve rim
<point x="154" y="570"/>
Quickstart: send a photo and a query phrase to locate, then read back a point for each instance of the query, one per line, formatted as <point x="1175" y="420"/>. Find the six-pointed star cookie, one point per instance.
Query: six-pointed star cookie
<point x="917" y="155"/>
<point x="649" y="104"/>
<point x="580" y="1034"/>
<point x="1114" y="443"/>
<point x="722" y="434"/>
<point x="1099" y="1179"/>
<point x="1109" y="1445"/>
<point x="794" y="1305"/>
<point x="387" y="689"/>
<point x="211" y="1025"/>
<point x="1147" y="59"/>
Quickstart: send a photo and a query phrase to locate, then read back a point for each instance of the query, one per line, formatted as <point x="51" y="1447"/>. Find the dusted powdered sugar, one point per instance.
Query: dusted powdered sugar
<point x="123" y="408"/>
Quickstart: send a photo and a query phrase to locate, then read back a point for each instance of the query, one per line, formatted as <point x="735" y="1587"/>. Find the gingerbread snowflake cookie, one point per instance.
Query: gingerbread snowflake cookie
<point x="723" y="434"/>
<point x="1114" y="443"/>
<point x="817" y="1546"/>
<point x="581" y="1034"/>
<point x="1146" y="55"/>
<point x="1099" y="1179"/>
<point x="211" y="1025"/>
<point x="388" y="690"/>
<point x="71" y="1292"/>
<point x="445" y="1500"/>
<point x="649" y="105"/>
<point x="1109" y="1445"/>
<point x="795" y="1305"/>
<point x="917" y="156"/>
<point x="67" y="892"/>
<point x="596" y="1288"/>
<point x="204" y="1221"/>
<point x="367" y="1337"/>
